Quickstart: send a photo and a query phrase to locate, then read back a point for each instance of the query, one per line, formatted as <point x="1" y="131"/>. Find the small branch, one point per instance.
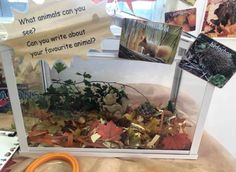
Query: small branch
<point x="117" y="83"/>
<point x="105" y="83"/>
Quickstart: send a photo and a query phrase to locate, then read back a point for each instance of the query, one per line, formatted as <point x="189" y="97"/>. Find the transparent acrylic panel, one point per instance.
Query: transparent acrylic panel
<point x="30" y="84"/>
<point x="4" y="99"/>
<point x="6" y="118"/>
<point x="190" y="98"/>
<point x="105" y="104"/>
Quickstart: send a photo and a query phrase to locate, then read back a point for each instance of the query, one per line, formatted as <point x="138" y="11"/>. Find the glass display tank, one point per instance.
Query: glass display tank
<point x="113" y="107"/>
<point x="108" y="106"/>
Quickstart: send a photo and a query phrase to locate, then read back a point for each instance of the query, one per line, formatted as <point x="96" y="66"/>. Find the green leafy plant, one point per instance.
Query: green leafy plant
<point x="70" y="96"/>
<point x="218" y="80"/>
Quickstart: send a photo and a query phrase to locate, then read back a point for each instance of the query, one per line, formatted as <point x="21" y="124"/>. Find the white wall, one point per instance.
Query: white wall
<point x="221" y="120"/>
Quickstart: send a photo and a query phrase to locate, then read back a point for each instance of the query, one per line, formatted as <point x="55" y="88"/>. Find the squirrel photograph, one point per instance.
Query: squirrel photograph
<point x="138" y="42"/>
<point x="153" y="50"/>
<point x="149" y="41"/>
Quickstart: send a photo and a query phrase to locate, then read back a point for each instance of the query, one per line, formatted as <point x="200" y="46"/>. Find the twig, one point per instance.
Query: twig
<point x="125" y="85"/>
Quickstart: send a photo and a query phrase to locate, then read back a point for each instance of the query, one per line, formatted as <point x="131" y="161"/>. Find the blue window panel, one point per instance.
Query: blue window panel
<point x="153" y="11"/>
<point x="6" y="7"/>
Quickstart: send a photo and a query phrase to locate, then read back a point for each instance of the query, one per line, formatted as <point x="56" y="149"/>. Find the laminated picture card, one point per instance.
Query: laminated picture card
<point x="185" y="18"/>
<point x="210" y="61"/>
<point x="190" y="2"/>
<point x="149" y="41"/>
<point x="220" y="19"/>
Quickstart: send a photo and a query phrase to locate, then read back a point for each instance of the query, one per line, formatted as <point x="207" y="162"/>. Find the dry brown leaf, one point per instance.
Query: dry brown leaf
<point x="176" y="142"/>
<point x="109" y="132"/>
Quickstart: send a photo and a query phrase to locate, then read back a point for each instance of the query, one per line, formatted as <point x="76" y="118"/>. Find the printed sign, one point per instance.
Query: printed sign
<point x="59" y="30"/>
<point x="149" y="41"/>
<point x="210" y="61"/>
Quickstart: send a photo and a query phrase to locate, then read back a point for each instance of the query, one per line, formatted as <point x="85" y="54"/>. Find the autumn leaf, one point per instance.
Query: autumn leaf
<point x="42" y="114"/>
<point x="153" y="125"/>
<point x="69" y="139"/>
<point x="109" y="132"/>
<point x="47" y="125"/>
<point x="94" y="124"/>
<point x="37" y="133"/>
<point x="176" y="142"/>
<point x="47" y="139"/>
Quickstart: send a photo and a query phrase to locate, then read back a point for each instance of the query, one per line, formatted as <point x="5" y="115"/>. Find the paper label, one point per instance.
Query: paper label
<point x="59" y="30"/>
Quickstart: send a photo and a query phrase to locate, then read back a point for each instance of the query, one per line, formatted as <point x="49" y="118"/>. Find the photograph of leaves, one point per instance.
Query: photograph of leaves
<point x="190" y="2"/>
<point x="220" y="19"/>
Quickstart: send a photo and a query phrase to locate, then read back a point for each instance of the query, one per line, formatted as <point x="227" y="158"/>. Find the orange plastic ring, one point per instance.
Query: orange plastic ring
<point x="54" y="156"/>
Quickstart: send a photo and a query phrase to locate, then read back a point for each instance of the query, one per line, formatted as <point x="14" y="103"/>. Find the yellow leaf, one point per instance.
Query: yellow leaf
<point x="153" y="125"/>
<point x="95" y="137"/>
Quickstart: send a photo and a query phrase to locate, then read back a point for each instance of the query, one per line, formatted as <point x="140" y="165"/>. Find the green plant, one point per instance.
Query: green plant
<point x="70" y="96"/>
<point x="218" y="80"/>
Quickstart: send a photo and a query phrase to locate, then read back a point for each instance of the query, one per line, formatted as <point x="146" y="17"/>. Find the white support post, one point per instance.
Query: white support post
<point x="6" y="55"/>
<point x="202" y="118"/>
<point x="46" y="79"/>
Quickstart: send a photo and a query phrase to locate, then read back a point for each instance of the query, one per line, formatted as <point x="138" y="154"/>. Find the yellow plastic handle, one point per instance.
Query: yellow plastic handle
<point x="54" y="156"/>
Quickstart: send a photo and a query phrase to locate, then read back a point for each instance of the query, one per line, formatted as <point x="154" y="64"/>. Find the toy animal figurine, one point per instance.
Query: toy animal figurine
<point x="155" y="51"/>
<point x="111" y="105"/>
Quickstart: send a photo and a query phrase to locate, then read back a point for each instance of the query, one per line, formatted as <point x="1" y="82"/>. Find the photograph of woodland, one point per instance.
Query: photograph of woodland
<point x="210" y="61"/>
<point x="185" y="18"/>
<point x="190" y="2"/>
<point x="149" y="41"/>
<point x="220" y="19"/>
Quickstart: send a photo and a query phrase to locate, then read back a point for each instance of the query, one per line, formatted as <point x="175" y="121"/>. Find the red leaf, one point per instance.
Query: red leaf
<point x="70" y="139"/>
<point x="94" y="124"/>
<point x="176" y="142"/>
<point x="36" y="133"/>
<point x="47" y="139"/>
<point x="109" y="132"/>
